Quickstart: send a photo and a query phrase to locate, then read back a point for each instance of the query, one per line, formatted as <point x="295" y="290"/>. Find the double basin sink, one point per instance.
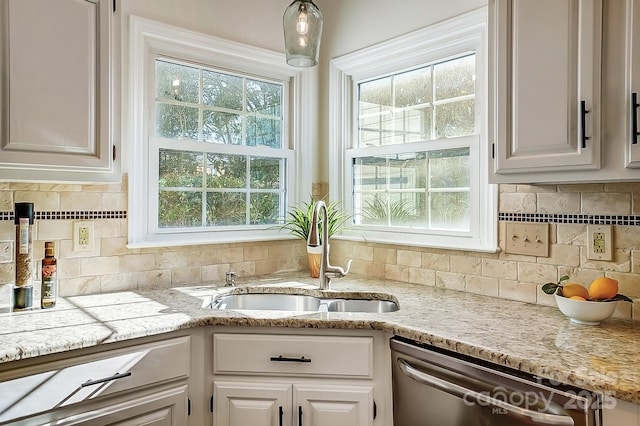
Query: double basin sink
<point x="301" y="302"/>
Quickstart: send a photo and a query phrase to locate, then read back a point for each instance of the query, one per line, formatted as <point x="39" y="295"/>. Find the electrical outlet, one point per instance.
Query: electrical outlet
<point x="83" y="236"/>
<point x="527" y="238"/>
<point x="599" y="242"/>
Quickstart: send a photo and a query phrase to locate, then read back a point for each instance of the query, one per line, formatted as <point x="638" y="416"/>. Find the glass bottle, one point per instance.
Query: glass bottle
<point x="49" y="290"/>
<point x="23" y="291"/>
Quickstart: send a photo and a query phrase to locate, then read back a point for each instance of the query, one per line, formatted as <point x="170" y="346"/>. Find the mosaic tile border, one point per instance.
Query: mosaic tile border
<point x="587" y="219"/>
<point x="72" y="215"/>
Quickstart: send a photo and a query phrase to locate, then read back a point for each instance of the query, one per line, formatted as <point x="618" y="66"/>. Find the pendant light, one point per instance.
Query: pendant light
<point x="302" y="22"/>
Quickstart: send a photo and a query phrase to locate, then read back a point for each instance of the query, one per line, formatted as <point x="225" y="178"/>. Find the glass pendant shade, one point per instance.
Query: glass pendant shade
<point x="302" y="23"/>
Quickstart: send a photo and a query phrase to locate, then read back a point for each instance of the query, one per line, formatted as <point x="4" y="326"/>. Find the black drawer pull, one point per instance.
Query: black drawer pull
<point x="281" y="358"/>
<point x="106" y="379"/>
<point x="634" y="118"/>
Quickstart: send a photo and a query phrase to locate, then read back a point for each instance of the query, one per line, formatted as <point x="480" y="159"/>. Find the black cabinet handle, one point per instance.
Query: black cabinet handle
<point x="583" y="123"/>
<point x="299" y="415"/>
<point x="634" y="118"/>
<point x="106" y="379"/>
<point x="280" y="415"/>
<point x="281" y="358"/>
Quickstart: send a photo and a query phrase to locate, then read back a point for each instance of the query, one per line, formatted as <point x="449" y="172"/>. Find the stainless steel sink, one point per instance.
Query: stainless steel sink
<point x="362" y="305"/>
<point x="270" y="302"/>
<point x="300" y="302"/>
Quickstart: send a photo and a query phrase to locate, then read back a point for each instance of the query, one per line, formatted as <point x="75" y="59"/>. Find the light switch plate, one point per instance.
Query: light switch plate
<point x="83" y="236"/>
<point x="527" y="238"/>
<point x="599" y="242"/>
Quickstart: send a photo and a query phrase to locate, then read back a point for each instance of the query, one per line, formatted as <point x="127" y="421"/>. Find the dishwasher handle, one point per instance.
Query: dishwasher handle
<point x="479" y="398"/>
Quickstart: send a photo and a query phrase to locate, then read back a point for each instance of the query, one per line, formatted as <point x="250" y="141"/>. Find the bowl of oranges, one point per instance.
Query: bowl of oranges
<point x="583" y="305"/>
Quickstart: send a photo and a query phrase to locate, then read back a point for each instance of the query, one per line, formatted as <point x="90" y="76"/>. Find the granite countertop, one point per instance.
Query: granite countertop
<point x="531" y="338"/>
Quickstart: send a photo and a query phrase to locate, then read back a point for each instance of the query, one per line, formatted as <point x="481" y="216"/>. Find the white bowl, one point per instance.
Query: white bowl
<point x="585" y="312"/>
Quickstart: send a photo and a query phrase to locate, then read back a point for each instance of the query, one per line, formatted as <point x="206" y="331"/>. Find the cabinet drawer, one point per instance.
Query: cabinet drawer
<point x="292" y="355"/>
<point x="57" y="384"/>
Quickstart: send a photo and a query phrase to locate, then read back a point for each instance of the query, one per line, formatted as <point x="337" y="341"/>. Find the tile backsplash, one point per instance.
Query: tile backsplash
<point x="110" y="266"/>
<point x="568" y="209"/>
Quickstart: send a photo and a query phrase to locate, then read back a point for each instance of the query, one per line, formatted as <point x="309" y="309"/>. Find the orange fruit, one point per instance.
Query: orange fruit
<point x="575" y="289"/>
<point x="578" y="298"/>
<point x="603" y="288"/>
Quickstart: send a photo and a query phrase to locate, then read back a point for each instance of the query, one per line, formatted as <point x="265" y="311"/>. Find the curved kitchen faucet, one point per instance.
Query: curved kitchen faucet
<point x="314" y="240"/>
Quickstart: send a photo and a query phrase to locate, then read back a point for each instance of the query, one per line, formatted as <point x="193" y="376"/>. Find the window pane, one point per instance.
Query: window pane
<point x="226" y="171"/>
<point x="369" y="173"/>
<point x="265" y="208"/>
<point x="222" y="127"/>
<point x="413" y="125"/>
<point x="417" y="190"/>
<point x="180" y="169"/>
<point x="407" y="209"/>
<point x="176" y="121"/>
<point x="375" y="112"/>
<point x="450" y="210"/>
<point x="226" y="208"/>
<point x="265" y="98"/>
<point x="455" y="119"/>
<point x="376" y="96"/>
<point x="413" y="88"/>
<point x="215" y="107"/>
<point x="177" y="82"/>
<point x="455" y="78"/>
<point x="263" y="132"/>
<point x="407" y="171"/>
<point x="449" y="168"/>
<point x="374" y="209"/>
<point x="265" y="173"/>
<point x="179" y="209"/>
<point x="400" y="109"/>
<point x="222" y="90"/>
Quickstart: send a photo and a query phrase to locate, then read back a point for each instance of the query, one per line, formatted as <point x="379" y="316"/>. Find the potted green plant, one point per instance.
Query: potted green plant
<point x="298" y="223"/>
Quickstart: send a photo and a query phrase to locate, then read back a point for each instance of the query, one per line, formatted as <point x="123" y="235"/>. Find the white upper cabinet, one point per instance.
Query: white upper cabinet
<point x="563" y="74"/>
<point x="56" y="91"/>
<point x="632" y="82"/>
<point x="545" y="85"/>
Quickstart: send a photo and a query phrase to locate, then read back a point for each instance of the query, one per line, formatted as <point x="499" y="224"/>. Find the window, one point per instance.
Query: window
<point x="208" y="188"/>
<point x="214" y="153"/>
<point x="413" y="157"/>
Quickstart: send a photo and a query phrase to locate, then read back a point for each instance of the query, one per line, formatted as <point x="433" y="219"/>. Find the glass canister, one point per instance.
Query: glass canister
<point x="23" y="290"/>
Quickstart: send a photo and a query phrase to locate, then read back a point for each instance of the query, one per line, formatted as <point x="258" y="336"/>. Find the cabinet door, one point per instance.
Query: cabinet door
<point x="545" y="62"/>
<point x="55" y="96"/>
<point x="321" y="405"/>
<point x="632" y="27"/>
<point x="255" y="404"/>
<point x="153" y="408"/>
<point x="79" y="380"/>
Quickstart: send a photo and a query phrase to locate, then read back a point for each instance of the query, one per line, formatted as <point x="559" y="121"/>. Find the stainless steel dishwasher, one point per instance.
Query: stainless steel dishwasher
<point x="432" y="387"/>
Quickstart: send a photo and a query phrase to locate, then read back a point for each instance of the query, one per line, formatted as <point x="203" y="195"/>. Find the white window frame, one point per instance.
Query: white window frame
<point x="148" y="40"/>
<point x="456" y="36"/>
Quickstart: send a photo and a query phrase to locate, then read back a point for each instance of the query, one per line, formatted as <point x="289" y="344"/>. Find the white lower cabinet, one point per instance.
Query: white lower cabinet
<point x="162" y="408"/>
<point x="306" y="379"/>
<point x="317" y="405"/>
<point x="299" y="404"/>
<point x="145" y="382"/>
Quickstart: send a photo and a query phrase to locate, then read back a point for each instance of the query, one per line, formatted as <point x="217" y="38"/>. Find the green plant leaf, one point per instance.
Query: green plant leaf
<point x="298" y="219"/>
<point x="550" y="288"/>
<point x="618" y="298"/>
